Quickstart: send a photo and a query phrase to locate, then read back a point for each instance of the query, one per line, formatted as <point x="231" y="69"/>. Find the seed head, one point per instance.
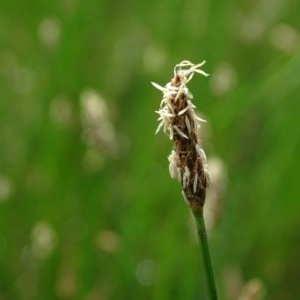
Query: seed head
<point x="178" y="120"/>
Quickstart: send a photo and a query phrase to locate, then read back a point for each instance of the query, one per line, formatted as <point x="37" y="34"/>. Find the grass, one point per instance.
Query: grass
<point x="254" y="129"/>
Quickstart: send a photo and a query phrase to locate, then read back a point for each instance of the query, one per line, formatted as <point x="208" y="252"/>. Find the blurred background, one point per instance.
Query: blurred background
<point x="87" y="207"/>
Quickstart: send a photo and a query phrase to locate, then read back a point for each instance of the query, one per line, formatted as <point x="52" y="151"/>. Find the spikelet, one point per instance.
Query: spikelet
<point x="178" y="120"/>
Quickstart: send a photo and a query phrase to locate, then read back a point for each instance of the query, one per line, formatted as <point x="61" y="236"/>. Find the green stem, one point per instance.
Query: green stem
<point x="198" y="213"/>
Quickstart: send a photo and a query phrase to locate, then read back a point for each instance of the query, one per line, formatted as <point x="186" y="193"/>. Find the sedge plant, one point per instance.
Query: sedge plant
<point x="187" y="161"/>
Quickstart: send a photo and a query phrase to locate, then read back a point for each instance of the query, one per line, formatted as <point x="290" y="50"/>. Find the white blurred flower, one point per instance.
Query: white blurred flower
<point x="98" y="131"/>
<point x="285" y="38"/>
<point x="43" y="238"/>
<point x="49" y="32"/>
<point x="146" y="272"/>
<point x="223" y="80"/>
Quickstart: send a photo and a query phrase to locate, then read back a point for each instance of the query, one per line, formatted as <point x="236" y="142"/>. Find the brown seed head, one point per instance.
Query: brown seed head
<point x="178" y="119"/>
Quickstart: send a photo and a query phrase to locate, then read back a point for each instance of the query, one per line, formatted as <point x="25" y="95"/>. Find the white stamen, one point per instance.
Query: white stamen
<point x="188" y="124"/>
<point x="170" y="87"/>
<point x="185" y="198"/>
<point x="171" y="133"/>
<point x="163" y="89"/>
<point x="207" y="175"/>
<point x="165" y="127"/>
<point x="171" y="171"/>
<point x="162" y="112"/>
<point x="179" y="91"/>
<point x="189" y="95"/>
<point x="201" y="152"/>
<point x="179" y="177"/>
<point x="183" y="111"/>
<point x="186" y="177"/>
<point x="180" y="132"/>
<point x="199" y="119"/>
<point x="161" y="124"/>
<point x="189" y="73"/>
<point x="186" y="91"/>
<point x="195" y="183"/>
<point x="170" y="108"/>
<point x="201" y="72"/>
<point x="190" y="104"/>
<point x="172" y="158"/>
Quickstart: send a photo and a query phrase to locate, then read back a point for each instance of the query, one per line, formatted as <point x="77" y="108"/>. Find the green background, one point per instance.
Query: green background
<point x="87" y="207"/>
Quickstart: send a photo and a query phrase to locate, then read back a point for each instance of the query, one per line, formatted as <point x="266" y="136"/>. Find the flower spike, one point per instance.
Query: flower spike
<point x="179" y="120"/>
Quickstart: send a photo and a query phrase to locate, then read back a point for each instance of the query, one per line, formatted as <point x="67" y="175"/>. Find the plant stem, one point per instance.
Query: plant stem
<point x="201" y="229"/>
